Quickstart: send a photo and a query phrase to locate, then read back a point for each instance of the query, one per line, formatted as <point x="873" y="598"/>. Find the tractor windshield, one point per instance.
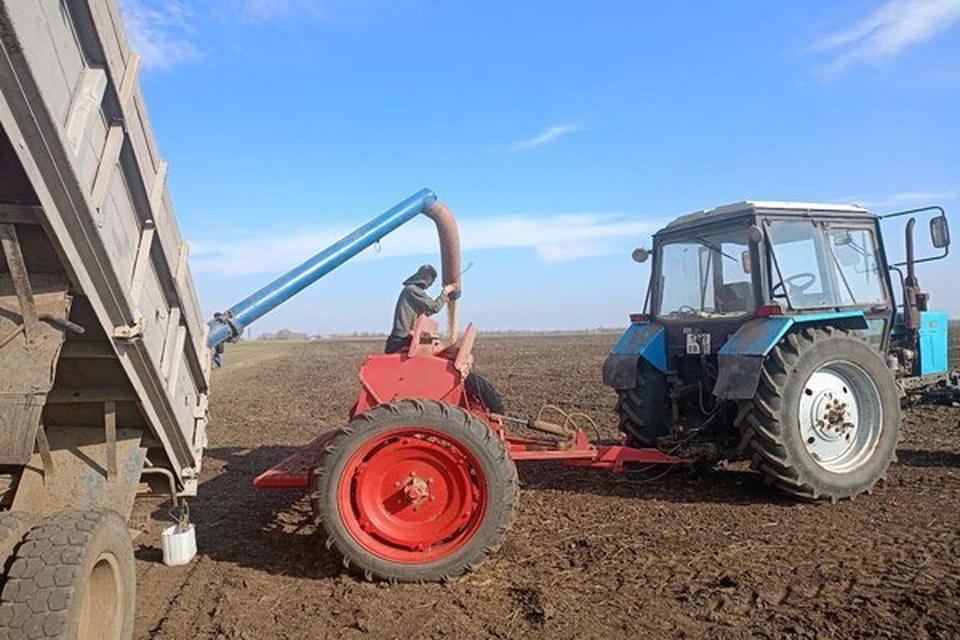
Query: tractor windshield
<point x="706" y="275"/>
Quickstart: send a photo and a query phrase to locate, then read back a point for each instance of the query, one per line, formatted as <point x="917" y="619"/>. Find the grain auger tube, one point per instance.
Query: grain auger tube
<point x="229" y="325"/>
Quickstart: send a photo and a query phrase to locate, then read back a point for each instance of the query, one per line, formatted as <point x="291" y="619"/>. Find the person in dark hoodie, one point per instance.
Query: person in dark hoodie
<point x="413" y="301"/>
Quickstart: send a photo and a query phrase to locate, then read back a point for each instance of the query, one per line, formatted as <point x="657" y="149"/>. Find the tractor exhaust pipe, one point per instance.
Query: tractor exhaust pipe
<point x="911" y="293"/>
<point x="911" y="266"/>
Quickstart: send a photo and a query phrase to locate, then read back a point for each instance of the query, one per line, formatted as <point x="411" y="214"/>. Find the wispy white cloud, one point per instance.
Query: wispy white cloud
<point x="905" y="198"/>
<point x="555" y="238"/>
<point x="160" y="31"/>
<point x="888" y="30"/>
<point x="166" y="32"/>
<point x="549" y="135"/>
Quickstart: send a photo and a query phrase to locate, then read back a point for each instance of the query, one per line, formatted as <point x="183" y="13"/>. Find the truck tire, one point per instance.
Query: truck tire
<point x="825" y="421"/>
<point x="13" y="526"/>
<point x="483" y="391"/>
<point x="415" y="491"/>
<point x="72" y="578"/>
<point x="642" y="409"/>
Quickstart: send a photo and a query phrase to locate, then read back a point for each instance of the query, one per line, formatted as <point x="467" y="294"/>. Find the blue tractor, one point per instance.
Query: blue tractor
<point x="771" y="332"/>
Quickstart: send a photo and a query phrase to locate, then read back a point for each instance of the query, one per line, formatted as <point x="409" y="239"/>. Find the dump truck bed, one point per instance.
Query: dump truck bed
<point x="83" y="200"/>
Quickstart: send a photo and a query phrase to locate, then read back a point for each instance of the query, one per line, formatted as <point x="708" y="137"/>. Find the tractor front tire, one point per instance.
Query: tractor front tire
<point x="642" y="409"/>
<point x="825" y="420"/>
<point x="415" y="491"/>
<point x="72" y="578"/>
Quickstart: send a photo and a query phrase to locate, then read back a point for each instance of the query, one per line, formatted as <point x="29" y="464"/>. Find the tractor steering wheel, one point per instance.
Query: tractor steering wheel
<point x="799" y="282"/>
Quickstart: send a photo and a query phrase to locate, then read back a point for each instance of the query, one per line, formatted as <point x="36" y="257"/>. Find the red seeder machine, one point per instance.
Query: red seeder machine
<point x="421" y="484"/>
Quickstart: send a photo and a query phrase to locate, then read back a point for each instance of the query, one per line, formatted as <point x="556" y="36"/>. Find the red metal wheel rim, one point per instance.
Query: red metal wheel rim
<point x="412" y="495"/>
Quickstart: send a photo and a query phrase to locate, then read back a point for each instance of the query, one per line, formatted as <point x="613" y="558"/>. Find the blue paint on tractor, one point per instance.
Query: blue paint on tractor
<point x="231" y="323"/>
<point x="756" y="337"/>
<point x="646" y="340"/>
<point x="934" y="353"/>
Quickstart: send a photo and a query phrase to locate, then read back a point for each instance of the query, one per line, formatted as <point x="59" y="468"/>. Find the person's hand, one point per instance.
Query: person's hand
<point x="450" y="288"/>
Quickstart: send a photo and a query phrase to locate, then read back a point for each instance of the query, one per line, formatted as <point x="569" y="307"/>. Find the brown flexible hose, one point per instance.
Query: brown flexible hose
<point x="449" y="237"/>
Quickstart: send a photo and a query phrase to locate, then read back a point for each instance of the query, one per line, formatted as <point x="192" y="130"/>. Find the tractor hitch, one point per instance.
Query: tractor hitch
<point x="945" y="391"/>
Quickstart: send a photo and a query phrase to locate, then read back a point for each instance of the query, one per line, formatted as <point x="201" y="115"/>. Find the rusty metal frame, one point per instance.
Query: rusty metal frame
<point x="21" y="280"/>
<point x="43" y="448"/>
<point x="110" y="429"/>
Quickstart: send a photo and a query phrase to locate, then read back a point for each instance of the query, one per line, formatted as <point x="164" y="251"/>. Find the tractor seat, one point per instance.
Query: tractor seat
<point x="734" y="297"/>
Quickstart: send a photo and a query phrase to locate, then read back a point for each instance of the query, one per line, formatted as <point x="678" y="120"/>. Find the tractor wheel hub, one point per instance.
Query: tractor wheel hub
<point x="832" y="418"/>
<point x="839" y="416"/>
<point x="416" y="490"/>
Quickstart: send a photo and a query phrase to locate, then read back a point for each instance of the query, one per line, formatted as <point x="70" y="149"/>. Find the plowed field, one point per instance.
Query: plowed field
<point x="706" y="554"/>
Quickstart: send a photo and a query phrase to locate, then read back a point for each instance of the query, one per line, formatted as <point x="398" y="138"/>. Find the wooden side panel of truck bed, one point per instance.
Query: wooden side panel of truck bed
<point x="74" y="120"/>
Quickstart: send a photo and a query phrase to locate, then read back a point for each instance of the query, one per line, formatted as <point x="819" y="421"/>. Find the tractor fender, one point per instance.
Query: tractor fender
<point x="641" y="340"/>
<point x="741" y="357"/>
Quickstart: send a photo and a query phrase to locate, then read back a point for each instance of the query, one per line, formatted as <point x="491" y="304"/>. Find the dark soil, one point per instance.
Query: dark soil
<point x="707" y="554"/>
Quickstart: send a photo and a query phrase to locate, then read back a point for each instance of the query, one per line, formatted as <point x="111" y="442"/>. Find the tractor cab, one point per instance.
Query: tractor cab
<point x="714" y="270"/>
<point x="772" y="330"/>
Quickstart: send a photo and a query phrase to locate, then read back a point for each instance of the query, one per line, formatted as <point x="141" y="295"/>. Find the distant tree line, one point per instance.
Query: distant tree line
<point x="288" y="335"/>
<point x="285" y="334"/>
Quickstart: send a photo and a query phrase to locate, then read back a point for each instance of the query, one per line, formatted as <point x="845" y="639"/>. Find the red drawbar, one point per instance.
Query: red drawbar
<point x="615" y="457"/>
<point x="579" y="452"/>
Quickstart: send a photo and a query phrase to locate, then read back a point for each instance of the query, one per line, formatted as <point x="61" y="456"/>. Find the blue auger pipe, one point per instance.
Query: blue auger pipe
<point x="231" y="323"/>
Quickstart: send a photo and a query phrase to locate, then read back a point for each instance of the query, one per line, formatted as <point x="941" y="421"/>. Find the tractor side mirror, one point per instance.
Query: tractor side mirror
<point x="640" y="255"/>
<point x="843" y="239"/>
<point x="940" y="232"/>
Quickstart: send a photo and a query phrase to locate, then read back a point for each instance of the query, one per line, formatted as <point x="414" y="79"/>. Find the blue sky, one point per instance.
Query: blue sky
<point x="560" y="133"/>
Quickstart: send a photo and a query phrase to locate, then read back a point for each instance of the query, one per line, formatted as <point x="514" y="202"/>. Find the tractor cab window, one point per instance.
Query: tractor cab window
<point x="813" y="266"/>
<point x="707" y="276"/>
<point x="856" y="251"/>
<point x="797" y="248"/>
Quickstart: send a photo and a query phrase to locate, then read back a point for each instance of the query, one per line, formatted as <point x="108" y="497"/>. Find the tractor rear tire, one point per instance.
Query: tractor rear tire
<point x="642" y="409"/>
<point x="825" y="421"/>
<point x="415" y="491"/>
<point x="482" y="390"/>
<point x="72" y="578"/>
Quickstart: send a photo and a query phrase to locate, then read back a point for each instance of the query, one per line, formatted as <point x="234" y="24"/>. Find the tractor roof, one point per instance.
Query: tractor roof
<point x="738" y="209"/>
